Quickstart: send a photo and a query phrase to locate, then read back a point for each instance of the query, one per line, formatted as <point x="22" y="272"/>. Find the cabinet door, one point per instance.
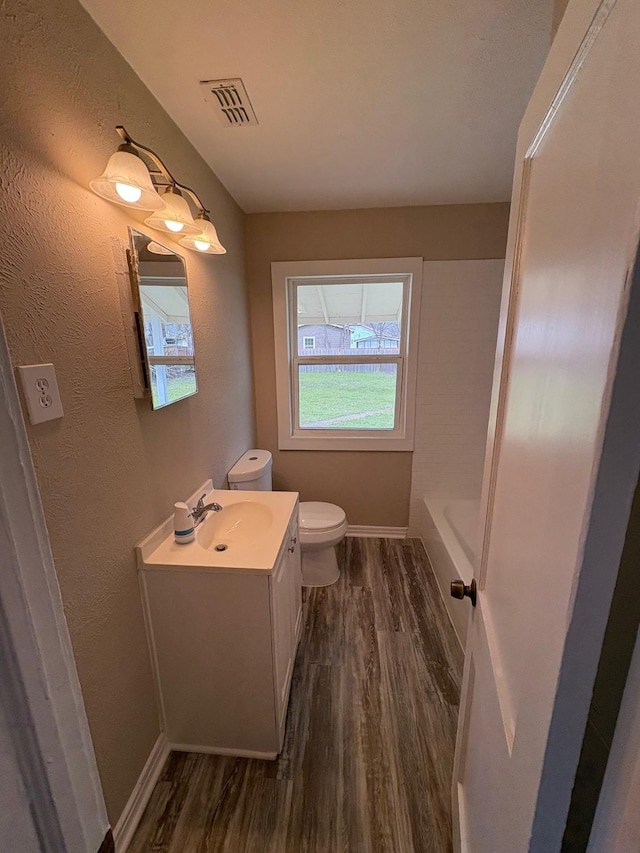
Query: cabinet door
<point x="295" y="576"/>
<point x="283" y="629"/>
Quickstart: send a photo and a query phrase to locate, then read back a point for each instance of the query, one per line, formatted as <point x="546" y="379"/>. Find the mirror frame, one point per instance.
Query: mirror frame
<point x="147" y="361"/>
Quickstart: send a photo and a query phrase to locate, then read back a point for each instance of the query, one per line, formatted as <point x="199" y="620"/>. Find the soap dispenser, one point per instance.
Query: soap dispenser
<point x="183" y="523"/>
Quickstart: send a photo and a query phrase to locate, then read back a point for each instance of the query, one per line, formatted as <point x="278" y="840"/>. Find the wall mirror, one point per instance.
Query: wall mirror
<point x="163" y="320"/>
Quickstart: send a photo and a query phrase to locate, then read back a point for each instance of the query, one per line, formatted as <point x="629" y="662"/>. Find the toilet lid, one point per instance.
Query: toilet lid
<point x="315" y="515"/>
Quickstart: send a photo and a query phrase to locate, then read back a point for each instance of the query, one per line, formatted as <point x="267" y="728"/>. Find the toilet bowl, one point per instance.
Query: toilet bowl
<point x="321" y="525"/>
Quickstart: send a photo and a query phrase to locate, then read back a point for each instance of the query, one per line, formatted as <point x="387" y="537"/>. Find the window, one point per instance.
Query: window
<point x="346" y="353"/>
<point x="168" y="336"/>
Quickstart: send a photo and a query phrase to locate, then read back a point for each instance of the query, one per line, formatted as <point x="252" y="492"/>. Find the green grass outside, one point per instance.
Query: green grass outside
<point x="177" y="388"/>
<point x="324" y="396"/>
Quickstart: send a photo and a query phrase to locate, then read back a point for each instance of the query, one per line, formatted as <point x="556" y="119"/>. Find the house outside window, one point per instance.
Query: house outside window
<point x="356" y="389"/>
<point x="384" y="335"/>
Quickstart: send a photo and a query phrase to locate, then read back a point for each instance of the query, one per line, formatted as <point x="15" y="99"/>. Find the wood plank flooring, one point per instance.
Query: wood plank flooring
<point x="368" y="755"/>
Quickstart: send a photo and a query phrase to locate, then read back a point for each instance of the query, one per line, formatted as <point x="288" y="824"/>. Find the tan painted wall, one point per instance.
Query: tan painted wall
<point x="372" y="487"/>
<point x="559" y="8"/>
<point x="111" y="469"/>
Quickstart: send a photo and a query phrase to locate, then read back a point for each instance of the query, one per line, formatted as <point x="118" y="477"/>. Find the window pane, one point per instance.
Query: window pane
<point x="167" y="322"/>
<point x="347" y="396"/>
<point x="171" y="382"/>
<point x="349" y="319"/>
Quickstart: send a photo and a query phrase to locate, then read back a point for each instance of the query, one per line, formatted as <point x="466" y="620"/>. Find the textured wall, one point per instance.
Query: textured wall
<point x="559" y="8"/>
<point x="458" y="327"/>
<point x="111" y="469"/>
<point x="372" y="487"/>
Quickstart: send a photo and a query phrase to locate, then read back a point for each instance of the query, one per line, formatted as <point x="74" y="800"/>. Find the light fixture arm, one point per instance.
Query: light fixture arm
<point x="162" y="171"/>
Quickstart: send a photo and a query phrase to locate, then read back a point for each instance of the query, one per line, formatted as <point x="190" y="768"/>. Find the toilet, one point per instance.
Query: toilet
<point x="321" y="525"/>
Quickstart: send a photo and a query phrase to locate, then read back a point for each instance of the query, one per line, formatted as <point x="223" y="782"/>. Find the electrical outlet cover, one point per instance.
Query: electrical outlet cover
<point x="41" y="393"/>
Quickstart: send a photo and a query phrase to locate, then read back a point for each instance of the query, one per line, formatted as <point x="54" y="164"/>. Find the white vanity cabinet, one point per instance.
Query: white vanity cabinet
<point x="286" y="620"/>
<point x="223" y="642"/>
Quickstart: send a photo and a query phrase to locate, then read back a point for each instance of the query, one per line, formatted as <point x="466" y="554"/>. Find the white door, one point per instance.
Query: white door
<point x="564" y="445"/>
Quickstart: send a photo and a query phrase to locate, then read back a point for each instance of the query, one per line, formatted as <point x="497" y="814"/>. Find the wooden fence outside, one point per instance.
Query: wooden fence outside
<point x="365" y="367"/>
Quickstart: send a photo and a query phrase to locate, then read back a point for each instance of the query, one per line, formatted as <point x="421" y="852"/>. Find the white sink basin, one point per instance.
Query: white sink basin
<point x="245" y="521"/>
<point x="246" y="534"/>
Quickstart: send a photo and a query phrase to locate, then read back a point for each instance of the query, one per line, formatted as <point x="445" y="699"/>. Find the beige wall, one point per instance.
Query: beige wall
<point x="372" y="487"/>
<point x="458" y="328"/>
<point x="559" y="8"/>
<point x="111" y="469"/>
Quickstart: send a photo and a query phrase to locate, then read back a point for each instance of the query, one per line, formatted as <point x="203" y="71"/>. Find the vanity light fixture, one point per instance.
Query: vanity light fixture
<point x="175" y="217"/>
<point x="127" y="181"/>
<point x="133" y="177"/>
<point x="206" y="241"/>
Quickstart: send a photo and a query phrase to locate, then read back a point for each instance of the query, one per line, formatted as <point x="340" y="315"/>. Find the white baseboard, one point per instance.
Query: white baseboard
<point x="221" y="750"/>
<point x="370" y="532"/>
<point x="137" y="802"/>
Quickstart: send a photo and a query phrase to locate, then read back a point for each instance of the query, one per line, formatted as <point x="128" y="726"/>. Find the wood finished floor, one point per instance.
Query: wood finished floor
<point x="368" y="755"/>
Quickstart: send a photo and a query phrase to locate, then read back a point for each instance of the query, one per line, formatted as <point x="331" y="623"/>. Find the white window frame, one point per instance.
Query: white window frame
<point x="284" y="275"/>
<point x="306" y="338"/>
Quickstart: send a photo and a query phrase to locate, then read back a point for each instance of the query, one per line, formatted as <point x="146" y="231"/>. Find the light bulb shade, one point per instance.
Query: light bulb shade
<point x="206" y="241"/>
<point x="158" y="249"/>
<point x="127" y="177"/>
<point x="175" y="211"/>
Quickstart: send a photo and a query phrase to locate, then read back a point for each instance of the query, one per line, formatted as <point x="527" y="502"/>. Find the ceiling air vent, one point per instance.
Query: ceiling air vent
<point x="231" y="102"/>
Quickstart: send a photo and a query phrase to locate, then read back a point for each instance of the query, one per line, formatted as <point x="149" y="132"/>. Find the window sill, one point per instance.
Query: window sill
<point x="346" y="443"/>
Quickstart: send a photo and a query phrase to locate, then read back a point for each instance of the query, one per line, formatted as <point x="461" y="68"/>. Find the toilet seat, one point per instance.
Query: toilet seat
<point x="316" y="515"/>
<point x="321" y="524"/>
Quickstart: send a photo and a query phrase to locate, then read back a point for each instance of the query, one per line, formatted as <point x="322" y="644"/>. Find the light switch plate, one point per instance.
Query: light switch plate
<point x="41" y="392"/>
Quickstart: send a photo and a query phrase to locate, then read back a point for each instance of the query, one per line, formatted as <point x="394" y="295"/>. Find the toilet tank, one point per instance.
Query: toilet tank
<point x="252" y="472"/>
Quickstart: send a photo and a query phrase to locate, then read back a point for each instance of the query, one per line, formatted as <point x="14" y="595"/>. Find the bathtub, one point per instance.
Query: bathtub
<point x="449" y="530"/>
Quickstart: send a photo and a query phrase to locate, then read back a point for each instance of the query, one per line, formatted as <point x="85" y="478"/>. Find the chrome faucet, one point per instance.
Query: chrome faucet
<point x="200" y="510"/>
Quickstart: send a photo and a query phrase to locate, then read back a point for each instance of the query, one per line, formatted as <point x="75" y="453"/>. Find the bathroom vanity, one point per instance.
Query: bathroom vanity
<point x="223" y="625"/>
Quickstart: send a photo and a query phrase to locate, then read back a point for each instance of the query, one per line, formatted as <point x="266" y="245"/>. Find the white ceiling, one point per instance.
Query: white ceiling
<point x="361" y="103"/>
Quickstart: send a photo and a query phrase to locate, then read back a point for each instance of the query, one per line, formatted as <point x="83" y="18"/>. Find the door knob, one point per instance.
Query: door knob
<point x="459" y="589"/>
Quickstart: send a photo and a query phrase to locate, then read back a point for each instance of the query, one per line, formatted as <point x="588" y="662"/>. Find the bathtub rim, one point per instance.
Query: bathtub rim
<point x="435" y="510"/>
<point x="447" y="558"/>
